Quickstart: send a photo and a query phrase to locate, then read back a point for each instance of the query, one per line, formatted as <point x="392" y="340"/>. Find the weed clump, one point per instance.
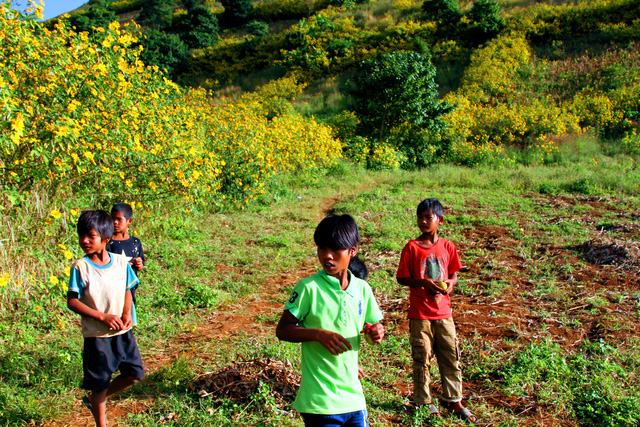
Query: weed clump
<point x="242" y="380"/>
<point x="609" y="251"/>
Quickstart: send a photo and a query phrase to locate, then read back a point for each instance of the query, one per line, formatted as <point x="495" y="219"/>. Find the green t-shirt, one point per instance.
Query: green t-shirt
<point x="330" y="384"/>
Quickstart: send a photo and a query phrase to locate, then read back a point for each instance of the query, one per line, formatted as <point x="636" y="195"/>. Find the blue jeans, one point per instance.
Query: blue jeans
<point x="350" y="419"/>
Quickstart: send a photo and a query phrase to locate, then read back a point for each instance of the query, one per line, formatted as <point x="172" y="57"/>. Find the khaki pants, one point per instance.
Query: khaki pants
<point x="437" y="337"/>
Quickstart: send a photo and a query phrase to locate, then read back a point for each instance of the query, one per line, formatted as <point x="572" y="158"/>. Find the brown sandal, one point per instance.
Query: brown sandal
<point x="466" y="415"/>
<point x="433" y="412"/>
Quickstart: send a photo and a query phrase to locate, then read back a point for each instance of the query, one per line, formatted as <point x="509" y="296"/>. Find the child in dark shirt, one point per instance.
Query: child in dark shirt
<point x="124" y="244"/>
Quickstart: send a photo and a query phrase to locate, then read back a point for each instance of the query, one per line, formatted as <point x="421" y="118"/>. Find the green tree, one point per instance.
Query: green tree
<point x="99" y="14"/>
<point x="157" y="13"/>
<point x="395" y="95"/>
<point x="198" y="28"/>
<point x="395" y="88"/>
<point x="257" y="28"/>
<point x="443" y="11"/>
<point x="236" y="12"/>
<point x="166" y="51"/>
<point x="486" y="22"/>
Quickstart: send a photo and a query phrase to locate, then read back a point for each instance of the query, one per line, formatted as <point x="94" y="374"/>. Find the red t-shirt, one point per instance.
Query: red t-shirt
<point x="438" y="262"/>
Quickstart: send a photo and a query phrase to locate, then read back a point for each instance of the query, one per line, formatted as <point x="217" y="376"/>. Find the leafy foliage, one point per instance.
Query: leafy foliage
<point x="157" y="14"/>
<point x="81" y="110"/>
<point x="271" y="10"/>
<point x="166" y="51"/>
<point x="485" y="21"/>
<point x="198" y="27"/>
<point x="444" y="11"/>
<point x="236" y="12"/>
<point x="99" y="14"/>
<point x="397" y="92"/>
<point x="257" y="28"/>
<point x="593" y="383"/>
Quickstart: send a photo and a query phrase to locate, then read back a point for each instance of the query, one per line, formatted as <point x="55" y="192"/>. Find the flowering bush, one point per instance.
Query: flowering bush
<point x="493" y="108"/>
<point x="84" y="122"/>
<point x="83" y="114"/>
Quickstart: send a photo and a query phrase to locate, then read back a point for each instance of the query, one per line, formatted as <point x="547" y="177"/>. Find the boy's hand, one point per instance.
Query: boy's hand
<point x="433" y="286"/>
<point x="137" y="263"/>
<point x="127" y="321"/>
<point x="333" y="342"/>
<point x="449" y="288"/>
<point x="361" y="373"/>
<point x="375" y="332"/>
<point x="112" y="321"/>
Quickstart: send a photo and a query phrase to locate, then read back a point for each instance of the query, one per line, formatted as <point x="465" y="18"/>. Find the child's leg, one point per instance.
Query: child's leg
<point x="121" y="382"/>
<point x="99" y="407"/>
<point x="421" y="338"/>
<point x="446" y="350"/>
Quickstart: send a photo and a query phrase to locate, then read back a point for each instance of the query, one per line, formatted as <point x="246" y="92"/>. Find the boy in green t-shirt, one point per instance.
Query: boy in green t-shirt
<point x="326" y="313"/>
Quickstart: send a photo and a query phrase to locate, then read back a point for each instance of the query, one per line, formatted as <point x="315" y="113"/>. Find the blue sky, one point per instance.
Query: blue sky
<point x="52" y="8"/>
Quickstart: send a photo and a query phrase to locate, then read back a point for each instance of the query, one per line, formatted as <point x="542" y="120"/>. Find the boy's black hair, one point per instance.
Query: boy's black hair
<point x="124" y="209"/>
<point x="337" y="232"/>
<point x="358" y="268"/>
<point x="95" y="220"/>
<point x="432" y="205"/>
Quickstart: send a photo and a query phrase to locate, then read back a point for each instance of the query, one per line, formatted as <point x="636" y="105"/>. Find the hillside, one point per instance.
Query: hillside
<point x="520" y="74"/>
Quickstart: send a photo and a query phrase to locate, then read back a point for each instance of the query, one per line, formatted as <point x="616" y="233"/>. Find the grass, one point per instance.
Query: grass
<point x="532" y="313"/>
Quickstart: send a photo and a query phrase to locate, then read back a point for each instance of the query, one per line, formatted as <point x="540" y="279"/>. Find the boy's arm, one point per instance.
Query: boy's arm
<point x="127" y="319"/>
<point x="429" y="284"/>
<point x="139" y="261"/>
<point x="289" y="330"/>
<point x="75" y="305"/>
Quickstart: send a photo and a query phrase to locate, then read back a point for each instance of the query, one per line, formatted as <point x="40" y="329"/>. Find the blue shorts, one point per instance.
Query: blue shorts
<point x="350" y="419"/>
<point x="103" y="356"/>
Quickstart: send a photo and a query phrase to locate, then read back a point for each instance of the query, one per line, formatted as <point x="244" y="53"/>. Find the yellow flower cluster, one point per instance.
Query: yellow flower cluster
<point x="491" y="111"/>
<point x="631" y="142"/>
<point x="373" y="154"/>
<point x="85" y="114"/>
<point x="4" y="279"/>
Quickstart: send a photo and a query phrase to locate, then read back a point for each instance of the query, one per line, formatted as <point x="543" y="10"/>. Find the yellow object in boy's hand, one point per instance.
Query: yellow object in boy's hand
<point x="365" y="331"/>
<point x="443" y="285"/>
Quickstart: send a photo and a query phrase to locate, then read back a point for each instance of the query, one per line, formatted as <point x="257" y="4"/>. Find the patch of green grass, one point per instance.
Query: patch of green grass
<point x="199" y="263"/>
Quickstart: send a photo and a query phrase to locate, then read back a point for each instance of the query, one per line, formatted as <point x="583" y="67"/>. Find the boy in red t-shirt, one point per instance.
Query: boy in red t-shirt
<point x="429" y="266"/>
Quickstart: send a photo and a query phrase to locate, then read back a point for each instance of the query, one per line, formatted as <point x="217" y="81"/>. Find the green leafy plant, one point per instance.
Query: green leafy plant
<point x="446" y="12"/>
<point x="236" y="12"/>
<point x="397" y="91"/>
<point x="486" y="21"/>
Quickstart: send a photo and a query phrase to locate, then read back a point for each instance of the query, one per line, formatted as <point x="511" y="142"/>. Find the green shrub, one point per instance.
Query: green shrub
<point x="444" y="11"/>
<point x="580" y="186"/>
<point x="200" y="295"/>
<point x="257" y="28"/>
<point x="236" y="12"/>
<point x="197" y="28"/>
<point x="99" y="14"/>
<point x="485" y="21"/>
<point x="395" y="95"/>
<point x="164" y="50"/>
